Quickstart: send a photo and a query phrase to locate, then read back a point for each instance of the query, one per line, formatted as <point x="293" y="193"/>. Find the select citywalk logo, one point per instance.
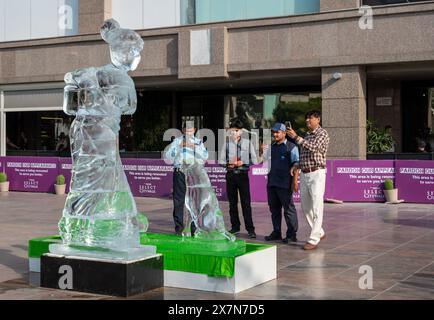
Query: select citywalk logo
<point x="373" y="193"/>
<point x="430" y="195"/>
<point x="31" y="184"/>
<point x="147" y="188"/>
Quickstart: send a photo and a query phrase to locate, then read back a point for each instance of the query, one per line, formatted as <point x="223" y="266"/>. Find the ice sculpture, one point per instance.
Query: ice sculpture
<point x="100" y="217"/>
<point x="200" y="200"/>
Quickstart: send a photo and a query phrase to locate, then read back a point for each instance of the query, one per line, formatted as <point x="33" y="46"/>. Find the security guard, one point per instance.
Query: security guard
<point x="174" y="154"/>
<point x="280" y="186"/>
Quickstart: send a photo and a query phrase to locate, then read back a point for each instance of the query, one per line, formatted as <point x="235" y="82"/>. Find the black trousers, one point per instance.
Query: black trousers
<point x="239" y="182"/>
<point x="279" y="198"/>
<point x="179" y="190"/>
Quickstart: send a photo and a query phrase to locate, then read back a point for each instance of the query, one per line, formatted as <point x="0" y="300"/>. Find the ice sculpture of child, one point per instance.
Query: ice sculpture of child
<point x="200" y="199"/>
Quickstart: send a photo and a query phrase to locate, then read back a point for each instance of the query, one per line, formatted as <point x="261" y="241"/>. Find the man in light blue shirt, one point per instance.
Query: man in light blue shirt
<point x="183" y="148"/>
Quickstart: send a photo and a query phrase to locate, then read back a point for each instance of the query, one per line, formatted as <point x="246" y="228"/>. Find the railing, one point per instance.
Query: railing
<point x="158" y="155"/>
<point x="388" y="2"/>
<point x="400" y="156"/>
<point x="67" y="154"/>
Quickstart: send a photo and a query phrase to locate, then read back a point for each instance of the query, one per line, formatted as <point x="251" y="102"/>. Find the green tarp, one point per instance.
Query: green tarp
<point x="213" y="258"/>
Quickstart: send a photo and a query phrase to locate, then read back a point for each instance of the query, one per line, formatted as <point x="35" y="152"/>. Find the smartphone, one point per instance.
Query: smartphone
<point x="288" y="125"/>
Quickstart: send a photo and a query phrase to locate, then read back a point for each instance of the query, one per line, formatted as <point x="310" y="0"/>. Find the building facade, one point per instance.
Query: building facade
<point x="210" y="60"/>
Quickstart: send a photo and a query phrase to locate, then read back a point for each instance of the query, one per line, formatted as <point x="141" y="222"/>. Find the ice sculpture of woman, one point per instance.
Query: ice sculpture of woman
<point x="100" y="210"/>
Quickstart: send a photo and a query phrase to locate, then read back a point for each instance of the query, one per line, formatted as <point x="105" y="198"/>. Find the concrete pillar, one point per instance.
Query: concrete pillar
<point x="344" y="111"/>
<point x="330" y="5"/>
<point x="92" y="14"/>
<point x="215" y="47"/>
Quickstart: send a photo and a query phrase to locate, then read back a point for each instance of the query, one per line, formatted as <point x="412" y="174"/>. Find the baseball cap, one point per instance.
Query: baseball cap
<point x="278" y="126"/>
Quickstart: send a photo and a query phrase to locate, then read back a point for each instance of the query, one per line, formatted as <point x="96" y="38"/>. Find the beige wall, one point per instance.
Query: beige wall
<point x="329" y="41"/>
<point x="386" y="115"/>
<point x="91" y="14"/>
<point x="310" y="41"/>
<point x="328" y="5"/>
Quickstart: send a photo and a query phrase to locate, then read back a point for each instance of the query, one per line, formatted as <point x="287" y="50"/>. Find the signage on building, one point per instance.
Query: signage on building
<point x="415" y="181"/>
<point x="346" y="180"/>
<point x="384" y="101"/>
<point x="32" y="174"/>
<point x="361" y="180"/>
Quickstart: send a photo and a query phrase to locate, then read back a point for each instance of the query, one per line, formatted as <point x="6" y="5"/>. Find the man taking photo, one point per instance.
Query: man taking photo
<point x="313" y="151"/>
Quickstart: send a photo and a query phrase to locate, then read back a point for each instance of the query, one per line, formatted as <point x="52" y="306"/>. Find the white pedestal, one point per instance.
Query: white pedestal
<point x="251" y="269"/>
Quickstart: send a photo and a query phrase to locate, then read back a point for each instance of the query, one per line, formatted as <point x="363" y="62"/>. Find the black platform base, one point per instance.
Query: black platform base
<point x="107" y="277"/>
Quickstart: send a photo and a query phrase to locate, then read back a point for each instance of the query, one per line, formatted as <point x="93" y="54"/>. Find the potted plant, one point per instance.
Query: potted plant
<point x="4" y="183"/>
<point x="378" y="141"/>
<point x="390" y="192"/>
<point x="60" y="185"/>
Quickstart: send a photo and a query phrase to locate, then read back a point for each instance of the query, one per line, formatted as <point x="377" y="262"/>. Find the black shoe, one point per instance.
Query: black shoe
<point x="273" y="237"/>
<point x="234" y="231"/>
<point x="290" y="239"/>
<point x="252" y="235"/>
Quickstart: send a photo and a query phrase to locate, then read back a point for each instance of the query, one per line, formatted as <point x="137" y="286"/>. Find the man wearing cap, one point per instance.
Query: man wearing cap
<point x="312" y="179"/>
<point x="282" y="157"/>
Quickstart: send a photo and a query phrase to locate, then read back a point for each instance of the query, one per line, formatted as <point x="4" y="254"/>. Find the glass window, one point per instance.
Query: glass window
<point x="261" y="111"/>
<point x="38" y="133"/>
<point x="226" y="10"/>
<point x="46" y="133"/>
<point x="143" y="131"/>
<point x="29" y="19"/>
<point x="386" y="2"/>
<point x="139" y="14"/>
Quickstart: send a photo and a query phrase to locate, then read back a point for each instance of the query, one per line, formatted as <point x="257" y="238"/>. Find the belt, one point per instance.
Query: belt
<point x="312" y="169"/>
<point x="237" y="171"/>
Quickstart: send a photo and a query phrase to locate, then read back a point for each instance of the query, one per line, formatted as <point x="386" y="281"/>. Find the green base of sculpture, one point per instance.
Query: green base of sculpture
<point x="192" y="245"/>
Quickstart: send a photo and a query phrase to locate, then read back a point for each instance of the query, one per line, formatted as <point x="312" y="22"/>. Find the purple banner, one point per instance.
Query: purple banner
<point x="153" y="178"/>
<point x="217" y="176"/>
<point x="65" y="166"/>
<point x="357" y="181"/>
<point x="33" y="174"/>
<point x="258" y="177"/>
<point x="415" y="181"/>
<point x="149" y="178"/>
<point x="328" y="194"/>
<point x="258" y="184"/>
<point x="360" y="180"/>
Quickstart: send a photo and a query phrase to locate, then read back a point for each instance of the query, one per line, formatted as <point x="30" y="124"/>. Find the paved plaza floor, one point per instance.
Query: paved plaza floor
<point x="396" y="241"/>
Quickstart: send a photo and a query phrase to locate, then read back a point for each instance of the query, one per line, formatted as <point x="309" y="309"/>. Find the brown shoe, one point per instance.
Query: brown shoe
<point x="309" y="246"/>
<point x="323" y="237"/>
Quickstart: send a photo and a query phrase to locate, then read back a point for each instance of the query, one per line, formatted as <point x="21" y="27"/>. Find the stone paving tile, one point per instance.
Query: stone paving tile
<point x="396" y="241"/>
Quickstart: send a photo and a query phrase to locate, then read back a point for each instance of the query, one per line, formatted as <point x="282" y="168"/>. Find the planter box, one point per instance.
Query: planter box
<point x="60" y="189"/>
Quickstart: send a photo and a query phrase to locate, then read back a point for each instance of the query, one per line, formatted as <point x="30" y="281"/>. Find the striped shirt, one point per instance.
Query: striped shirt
<point x="313" y="149"/>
